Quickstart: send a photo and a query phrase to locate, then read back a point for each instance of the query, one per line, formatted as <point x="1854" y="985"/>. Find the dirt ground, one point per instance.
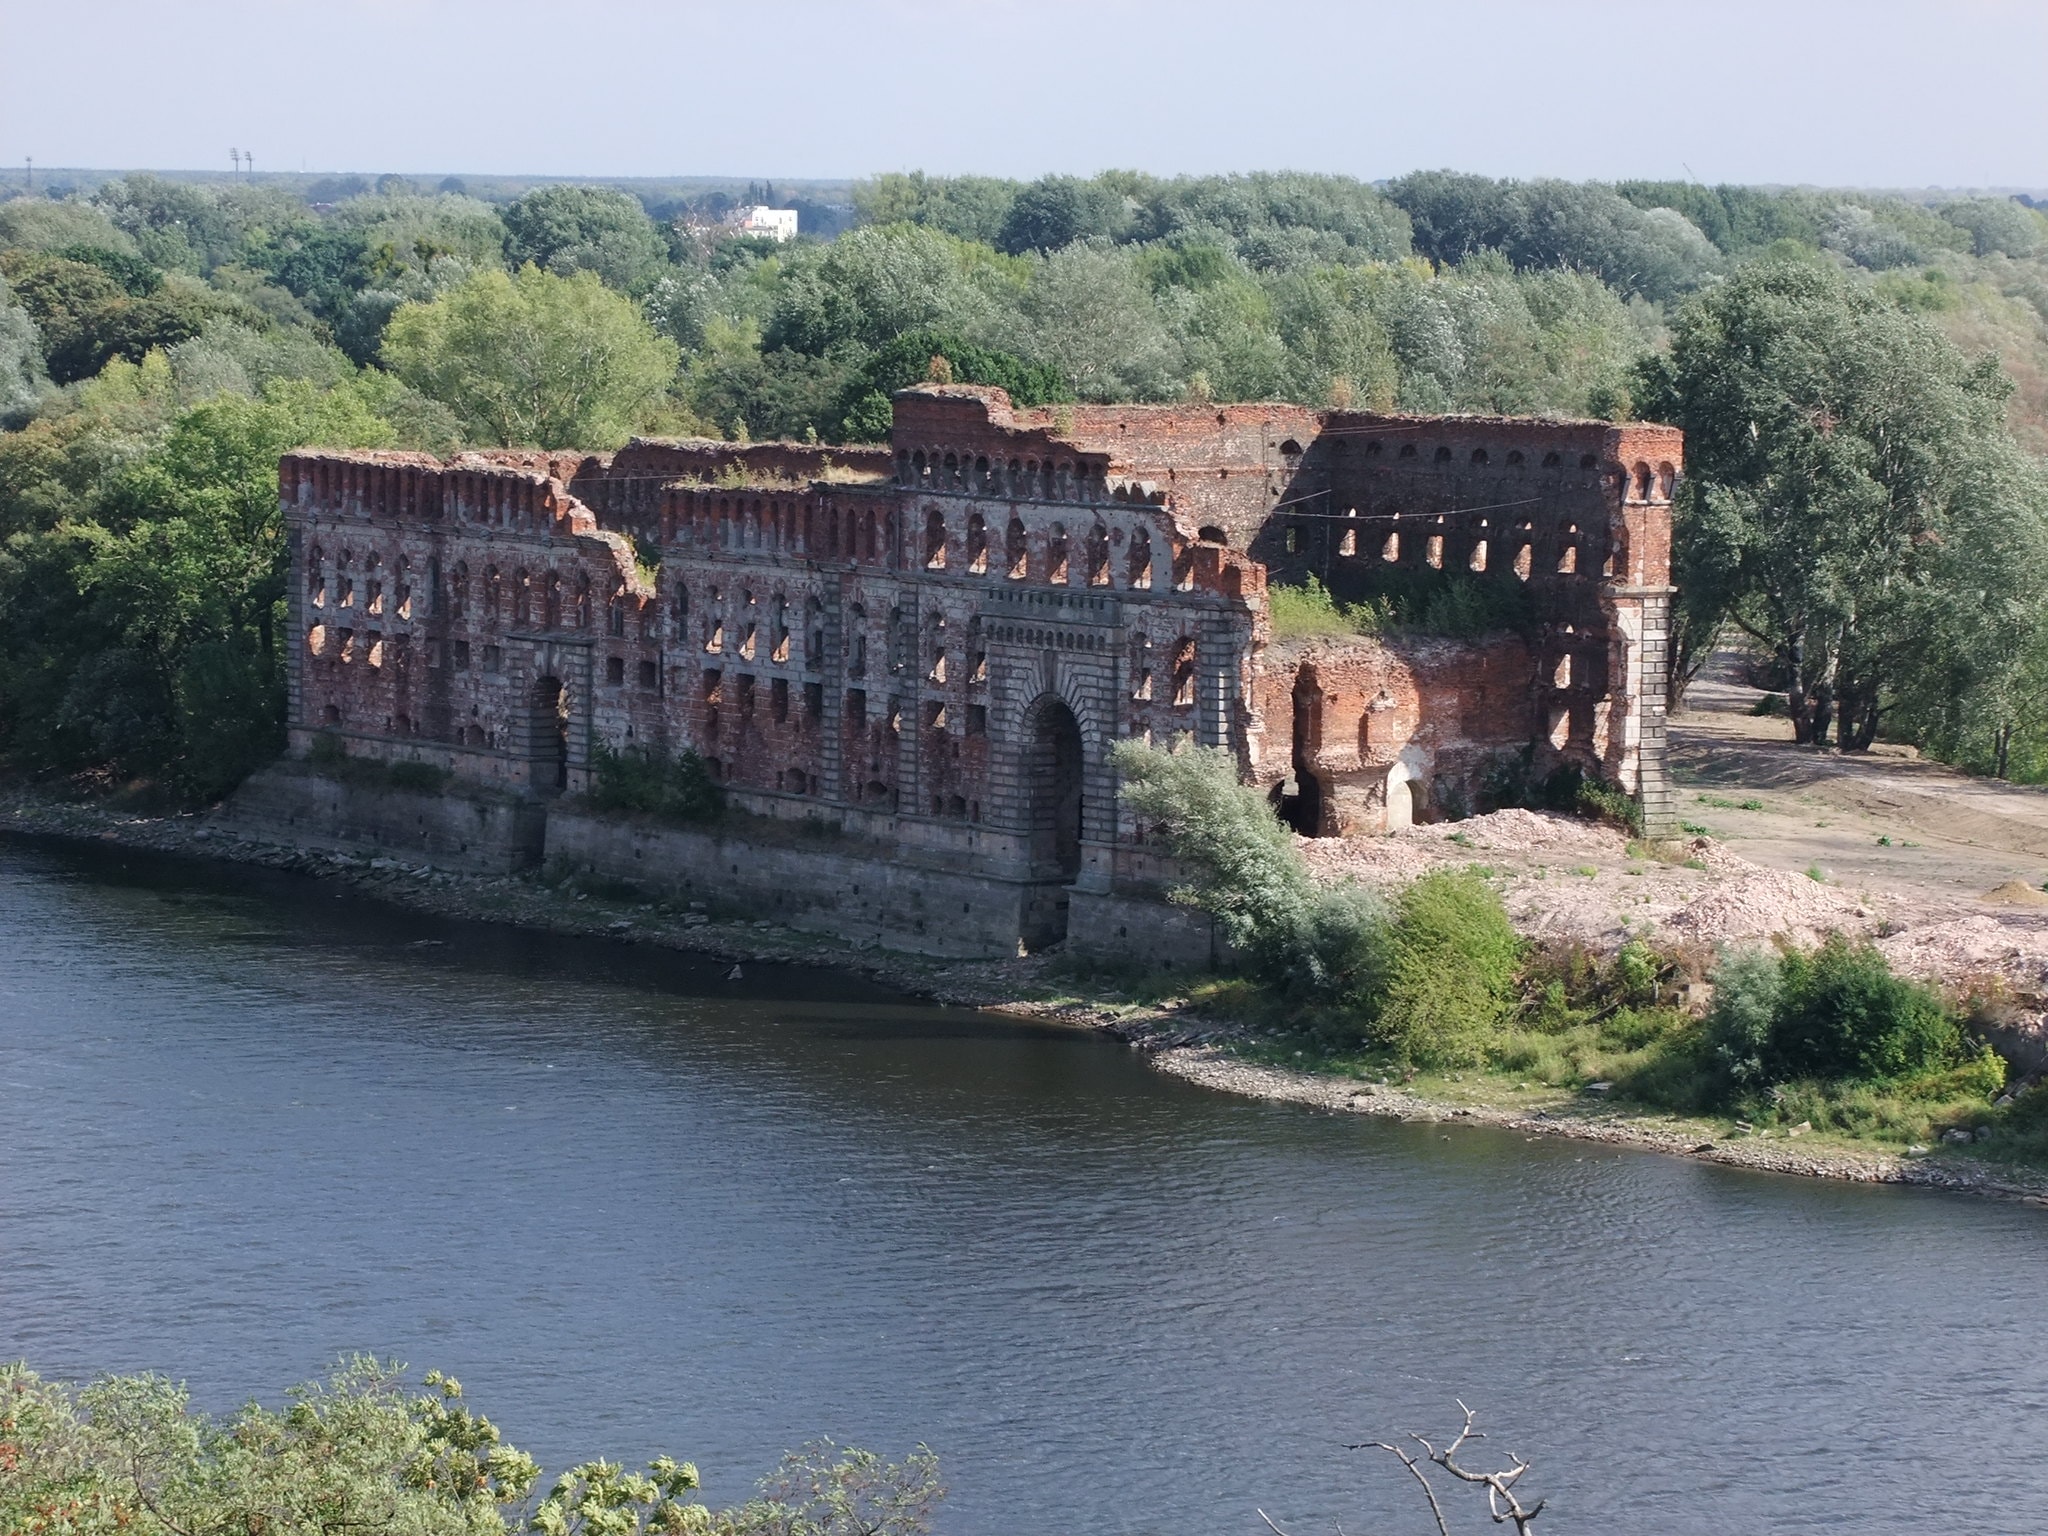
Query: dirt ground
<point x="1944" y="871"/>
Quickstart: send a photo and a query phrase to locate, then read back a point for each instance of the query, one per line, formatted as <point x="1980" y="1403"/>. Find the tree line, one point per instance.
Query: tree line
<point x="1863" y="379"/>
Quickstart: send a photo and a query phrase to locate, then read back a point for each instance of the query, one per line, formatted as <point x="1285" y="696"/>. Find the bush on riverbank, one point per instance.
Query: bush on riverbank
<point x="130" y="1454"/>
<point x="1439" y="980"/>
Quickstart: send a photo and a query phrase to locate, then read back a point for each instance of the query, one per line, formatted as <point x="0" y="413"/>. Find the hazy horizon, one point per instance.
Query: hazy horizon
<point x="1893" y="94"/>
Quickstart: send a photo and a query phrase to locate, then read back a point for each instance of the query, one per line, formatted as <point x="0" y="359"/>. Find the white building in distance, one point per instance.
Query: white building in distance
<point x="777" y="224"/>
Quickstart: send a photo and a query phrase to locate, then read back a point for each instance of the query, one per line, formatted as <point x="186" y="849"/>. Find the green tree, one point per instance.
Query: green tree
<point x="1841" y="457"/>
<point x="566" y="229"/>
<point x="1319" y="942"/>
<point x="140" y="633"/>
<point x="87" y="317"/>
<point x="875" y="283"/>
<point x="968" y="207"/>
<point x="1089" y="314"/>
<point x="1058" y="210"/>
<point x="21" y="357"/>
<point x="864" y="409"/>
<point x="132" y="1456"/>
<point x="533" y="358"/>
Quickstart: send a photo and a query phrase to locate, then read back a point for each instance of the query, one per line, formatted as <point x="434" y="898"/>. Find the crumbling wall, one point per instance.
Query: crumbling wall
<point x="930" y="647"/>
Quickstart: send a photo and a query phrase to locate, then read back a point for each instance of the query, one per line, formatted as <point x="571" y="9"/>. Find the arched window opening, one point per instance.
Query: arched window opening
<point x="1347" y="542"/>
<point x="1390" y="547"/>
<point x="1017" y="550"/>
<point x="1525" y="562"/>
<point x="1184" y="672"/>
<point x="1443" y="455"/>
<point x="1056" y="555"/>
<point x="1478" y="559"/>
<point x="1209" y="533"/>
<point x="935" y="539"/>
<point x="1561" y="676"/>
<point x="1478" y="455"/>
<point x="1645" y="482"/>
<point x="1515" y="459"/>
<point x="1568" y="555"/>
<point x="1098" y="556"/>
<point x="1667" y="477"/>
<point x="1433" y="552"/>
<point x="977" y="545"/>
<point x="1551" y="461"/>
<point x="1138" y="562"/>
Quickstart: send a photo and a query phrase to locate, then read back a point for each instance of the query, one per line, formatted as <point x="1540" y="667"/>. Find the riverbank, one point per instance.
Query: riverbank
<point x="1176" y="1037"/>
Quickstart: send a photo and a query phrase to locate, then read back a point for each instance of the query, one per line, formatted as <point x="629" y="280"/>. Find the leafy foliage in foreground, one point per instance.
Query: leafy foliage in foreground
<point x="130" y="1455"/>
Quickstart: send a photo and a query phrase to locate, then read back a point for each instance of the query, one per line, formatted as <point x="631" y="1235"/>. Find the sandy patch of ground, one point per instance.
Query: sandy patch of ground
<point x="1942" y="870"/>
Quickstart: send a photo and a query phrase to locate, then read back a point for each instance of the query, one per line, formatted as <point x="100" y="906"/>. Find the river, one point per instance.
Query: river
<point x="253" y="1123"/>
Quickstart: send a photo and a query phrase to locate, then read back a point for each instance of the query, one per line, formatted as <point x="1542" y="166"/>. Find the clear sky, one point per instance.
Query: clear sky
<point x="1896" y="93"/>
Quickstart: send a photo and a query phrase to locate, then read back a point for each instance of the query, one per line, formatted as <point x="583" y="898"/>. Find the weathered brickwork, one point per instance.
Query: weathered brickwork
<point x="930" y="646"/>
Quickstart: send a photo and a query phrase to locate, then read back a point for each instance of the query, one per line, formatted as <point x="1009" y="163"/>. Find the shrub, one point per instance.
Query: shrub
<point x="1836" y="1014"/>
<point x="1321" y="942"/>
<point x="1309" y="610"/>
<point x="1843" y="1014"/>
<point x="678" y="788"/>
<point x="1453" y="961"/>
<point x="1603" y="802"/>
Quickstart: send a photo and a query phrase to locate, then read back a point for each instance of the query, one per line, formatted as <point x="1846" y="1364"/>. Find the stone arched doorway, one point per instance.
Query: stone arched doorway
<point x="1400" y="798"/>
<point x="547" y="737"/>
<point x="1053" y="764"/>
<point x="1053" y="771"/>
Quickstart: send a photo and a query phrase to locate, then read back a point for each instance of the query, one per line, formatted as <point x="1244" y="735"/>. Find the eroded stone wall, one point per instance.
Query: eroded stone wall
<point x="930" y="647"/>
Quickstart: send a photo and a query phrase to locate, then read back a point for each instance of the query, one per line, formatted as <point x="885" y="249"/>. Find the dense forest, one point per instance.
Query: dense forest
<point x="1863" y="378"/>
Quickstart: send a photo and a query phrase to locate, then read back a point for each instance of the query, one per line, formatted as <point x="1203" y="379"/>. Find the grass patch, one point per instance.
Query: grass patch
<point x="1723" y="803"/>
<point x="1309" y="611"/>
<point x="329" y="756"/>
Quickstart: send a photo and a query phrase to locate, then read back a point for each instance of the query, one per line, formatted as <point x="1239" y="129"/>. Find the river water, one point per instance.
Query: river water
<point x="251" y="1124"/>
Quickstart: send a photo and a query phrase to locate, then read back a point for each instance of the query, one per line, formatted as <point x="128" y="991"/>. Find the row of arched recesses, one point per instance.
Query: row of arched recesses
<point x="1052" y="555"/>
<point x="400" y="592"/>
<point x="1467" y="543"/>
<point x="752" y="632"/>
<point x="1647" y="484"/>
<point x="1025" y="479"/>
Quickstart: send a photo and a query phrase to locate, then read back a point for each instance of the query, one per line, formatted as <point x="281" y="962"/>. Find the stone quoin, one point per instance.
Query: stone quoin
<point x="923" y="651"/>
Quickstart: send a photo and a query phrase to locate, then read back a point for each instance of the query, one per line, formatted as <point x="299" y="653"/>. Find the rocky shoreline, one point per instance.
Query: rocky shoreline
<point x="1195" y="1051"/>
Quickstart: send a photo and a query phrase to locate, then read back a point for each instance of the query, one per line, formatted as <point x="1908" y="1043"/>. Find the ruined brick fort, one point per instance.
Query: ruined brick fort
<point x="907" y="663"/>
